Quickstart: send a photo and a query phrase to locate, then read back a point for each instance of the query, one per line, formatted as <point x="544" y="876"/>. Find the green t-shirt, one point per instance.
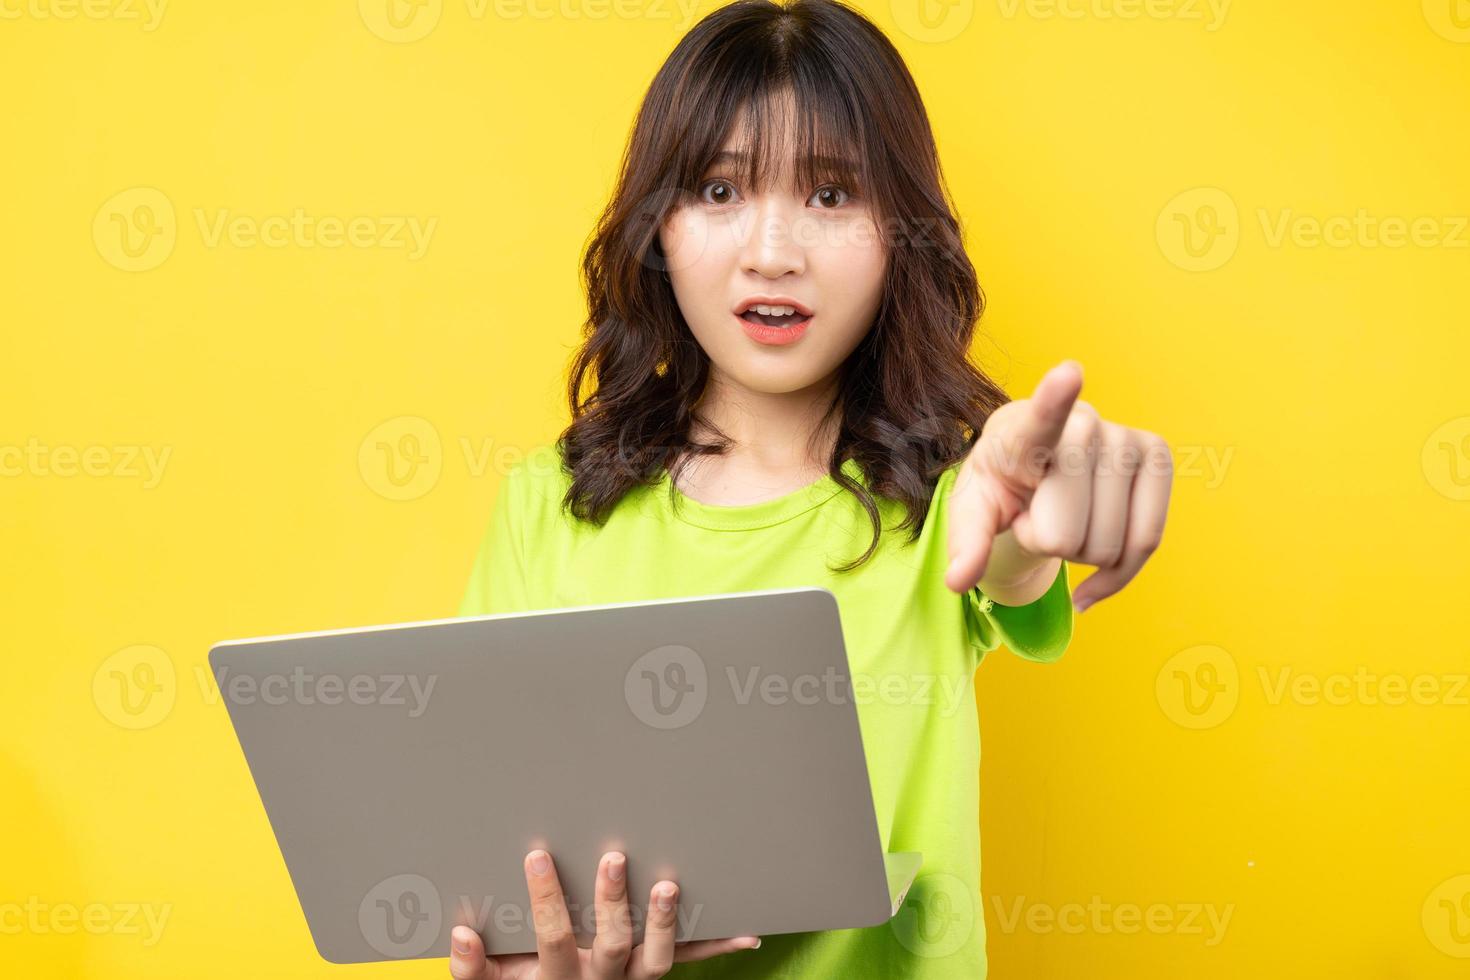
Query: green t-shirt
<point x="917" y="642"/>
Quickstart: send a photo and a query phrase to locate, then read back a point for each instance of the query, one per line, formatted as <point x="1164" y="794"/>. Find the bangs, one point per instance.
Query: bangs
<point x="804" y="124"/>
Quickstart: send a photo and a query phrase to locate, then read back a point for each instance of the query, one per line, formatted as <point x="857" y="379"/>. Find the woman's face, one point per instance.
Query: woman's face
<point x="815" y="248"/>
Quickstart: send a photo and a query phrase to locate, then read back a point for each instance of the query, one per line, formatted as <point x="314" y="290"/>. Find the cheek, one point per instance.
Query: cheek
<point x="853" y="255"/>
<point x="686" y="241"/>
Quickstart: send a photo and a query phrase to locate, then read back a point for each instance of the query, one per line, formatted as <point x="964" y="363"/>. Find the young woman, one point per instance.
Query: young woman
<point x="775" y="391"/>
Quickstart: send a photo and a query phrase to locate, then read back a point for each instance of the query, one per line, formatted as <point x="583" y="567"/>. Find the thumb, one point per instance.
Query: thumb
<point x="467" y="959"/>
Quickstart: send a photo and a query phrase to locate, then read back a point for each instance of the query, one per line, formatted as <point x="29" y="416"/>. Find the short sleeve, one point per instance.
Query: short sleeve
<point x="1040" y="631"/>
<point x="498" y="577"/>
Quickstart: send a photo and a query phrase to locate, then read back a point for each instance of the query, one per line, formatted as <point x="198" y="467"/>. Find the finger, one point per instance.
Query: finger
<point x="656" y="954"/>
<point x="467" y="956"/>
<point x="614" y="940"/>
<point x="703" y="949"/>
<point x="1146" y="512"/>
<point x="1018" y="452"/>
<point x="556" y="944"/>
<point x="976" y="515"/>
<point x="1118" y="460"/>
<point x="1055" y="522"/>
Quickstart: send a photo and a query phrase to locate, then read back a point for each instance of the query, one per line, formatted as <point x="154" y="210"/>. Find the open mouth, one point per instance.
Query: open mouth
<point x="773" y="312"/>
<point x="774" y="319"/>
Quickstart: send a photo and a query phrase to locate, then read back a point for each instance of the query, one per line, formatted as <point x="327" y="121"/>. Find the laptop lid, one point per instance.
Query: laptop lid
<point x="407" y="769"/>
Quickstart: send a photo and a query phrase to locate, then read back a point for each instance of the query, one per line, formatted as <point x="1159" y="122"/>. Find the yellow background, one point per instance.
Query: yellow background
<point x="1314" y="394"/>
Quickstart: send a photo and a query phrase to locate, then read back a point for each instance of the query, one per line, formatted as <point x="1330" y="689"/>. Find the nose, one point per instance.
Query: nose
<point x="772" y="248"/>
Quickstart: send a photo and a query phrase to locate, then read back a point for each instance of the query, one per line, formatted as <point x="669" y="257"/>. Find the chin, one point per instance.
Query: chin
<point x="768" y="379"/>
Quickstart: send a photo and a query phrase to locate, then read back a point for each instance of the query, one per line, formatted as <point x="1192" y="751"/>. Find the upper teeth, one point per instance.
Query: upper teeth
<point x="773" y="310"/>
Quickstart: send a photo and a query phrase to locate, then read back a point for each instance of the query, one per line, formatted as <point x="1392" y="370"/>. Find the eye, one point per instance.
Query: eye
<point x="717" y="182"/>
<point x="833" y="196"/>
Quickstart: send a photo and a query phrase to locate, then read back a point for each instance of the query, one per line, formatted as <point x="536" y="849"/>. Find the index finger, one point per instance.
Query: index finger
<point x="556" y="944"/>
<point x="1040" y="426"/>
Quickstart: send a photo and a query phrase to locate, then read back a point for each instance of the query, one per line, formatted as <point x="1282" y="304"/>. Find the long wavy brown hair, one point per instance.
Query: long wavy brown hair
<point x="908" y="403"/>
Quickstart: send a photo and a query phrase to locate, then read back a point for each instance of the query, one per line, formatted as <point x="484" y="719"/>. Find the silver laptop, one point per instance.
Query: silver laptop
<point x="407" y="770"/>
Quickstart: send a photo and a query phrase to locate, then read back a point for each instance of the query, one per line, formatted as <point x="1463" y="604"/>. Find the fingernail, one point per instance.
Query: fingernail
<point x="540" y="862"/>
<point x="757" y="943"/>
<point x="665" y="899"/>
<point x="1081" y="604"/>
<point x="461" y="941"/>
<point x="615" y="865"/>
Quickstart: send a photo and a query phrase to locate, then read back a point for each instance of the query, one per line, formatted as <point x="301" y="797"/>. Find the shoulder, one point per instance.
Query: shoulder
<point x="538" y="469"/>
<point x="534" y="482"/>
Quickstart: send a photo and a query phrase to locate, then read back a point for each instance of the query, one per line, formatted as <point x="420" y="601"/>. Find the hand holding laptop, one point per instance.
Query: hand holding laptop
<point x="612" y="954"/>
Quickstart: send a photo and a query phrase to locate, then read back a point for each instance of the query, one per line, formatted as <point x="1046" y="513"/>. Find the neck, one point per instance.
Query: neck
<point x="772" y="432"/>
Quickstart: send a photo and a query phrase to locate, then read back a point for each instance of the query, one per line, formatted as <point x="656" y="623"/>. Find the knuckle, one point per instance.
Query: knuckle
<point x="546" y="915"/>
<point x="546" y="899"/>
<point x="1055" y="540"/>
<point x="466" y="968"/>
<point x="1158" y="454"/>
<point x="1104" y="554"/>
<point x="558" y="940"/>
<point x="617" y="948"/>
<point x="1082" y="427"/>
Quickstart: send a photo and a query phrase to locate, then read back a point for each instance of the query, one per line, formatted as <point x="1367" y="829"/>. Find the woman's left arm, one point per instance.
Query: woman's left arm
<point x="1049" y="480"/>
